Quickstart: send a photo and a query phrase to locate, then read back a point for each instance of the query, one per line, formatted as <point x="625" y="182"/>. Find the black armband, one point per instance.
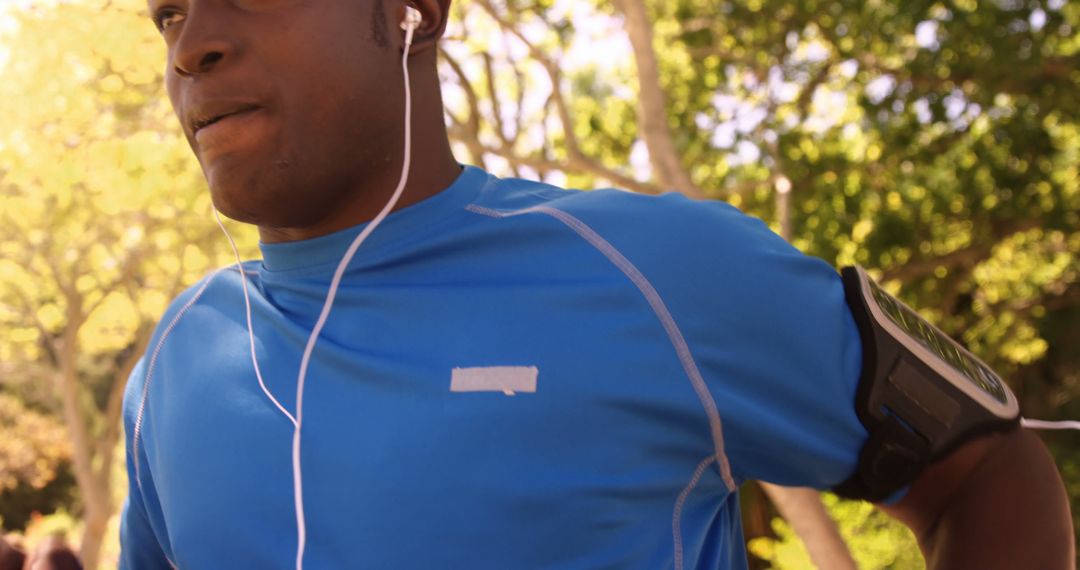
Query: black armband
<point x="920" y="394"/>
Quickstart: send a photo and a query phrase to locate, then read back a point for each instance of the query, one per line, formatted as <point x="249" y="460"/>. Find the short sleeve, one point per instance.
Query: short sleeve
<point x="785" y="386"/>
<point x="139" y="545"/>
<point x="780" y="353"/>
<point x="766" y="326"/>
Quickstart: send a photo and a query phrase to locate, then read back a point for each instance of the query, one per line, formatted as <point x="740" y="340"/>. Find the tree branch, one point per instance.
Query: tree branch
<point x="652" y="103"/>
<point x="469" y="133"/>
<point x="576" y="159"/>
<point x="963" y="257"/>
<point x="803" y="509"/>
<point x="114" y="405"/>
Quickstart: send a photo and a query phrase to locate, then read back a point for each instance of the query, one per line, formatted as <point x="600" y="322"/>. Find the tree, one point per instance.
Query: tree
<point x="104" y="219"/>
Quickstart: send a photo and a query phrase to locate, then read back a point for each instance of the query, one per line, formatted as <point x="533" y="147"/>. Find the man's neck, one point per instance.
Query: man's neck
<point x="426" y="178"/>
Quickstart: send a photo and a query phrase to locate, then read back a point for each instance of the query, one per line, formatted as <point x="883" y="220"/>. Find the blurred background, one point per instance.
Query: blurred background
<point x="934" y="142"/>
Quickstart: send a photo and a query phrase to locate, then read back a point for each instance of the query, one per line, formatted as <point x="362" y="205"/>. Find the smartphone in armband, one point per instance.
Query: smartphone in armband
<point x="920" y="393"/>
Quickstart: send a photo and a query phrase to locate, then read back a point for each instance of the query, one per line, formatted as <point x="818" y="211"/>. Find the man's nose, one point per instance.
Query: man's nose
<point x="205" y="43"/>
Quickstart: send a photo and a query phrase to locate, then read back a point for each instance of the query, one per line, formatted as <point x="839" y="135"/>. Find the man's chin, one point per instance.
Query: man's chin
<point x="259" y="206"/>
<point x="247" y="193"/>
<point x="232" y="201"/>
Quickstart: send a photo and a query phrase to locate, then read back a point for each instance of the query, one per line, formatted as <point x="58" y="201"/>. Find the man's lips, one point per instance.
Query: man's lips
<point x="210" y="116"/>
<point x="238" y="130"/>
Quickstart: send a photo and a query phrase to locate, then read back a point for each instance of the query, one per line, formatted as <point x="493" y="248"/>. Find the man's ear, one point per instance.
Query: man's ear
<point x="435" y="14"/>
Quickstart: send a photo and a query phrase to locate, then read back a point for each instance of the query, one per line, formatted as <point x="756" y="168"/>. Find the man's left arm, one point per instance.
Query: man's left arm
<point x="995" y="502"/>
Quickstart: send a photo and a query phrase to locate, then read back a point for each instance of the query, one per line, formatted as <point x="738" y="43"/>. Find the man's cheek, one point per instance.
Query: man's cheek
<point x="172" y="88"/>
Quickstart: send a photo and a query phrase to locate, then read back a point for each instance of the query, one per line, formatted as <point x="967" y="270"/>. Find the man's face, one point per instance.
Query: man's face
<point x="285" y="103"/>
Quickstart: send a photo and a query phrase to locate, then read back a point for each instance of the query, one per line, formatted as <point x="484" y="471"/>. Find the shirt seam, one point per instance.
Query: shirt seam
<point x="676" y="516"/>
<point x="659" y="308"/>
<point x="137" y="431"/>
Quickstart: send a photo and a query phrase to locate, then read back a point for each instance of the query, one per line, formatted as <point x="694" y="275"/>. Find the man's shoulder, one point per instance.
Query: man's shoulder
<point x="677" y="243"/>
<point x="196" y="291"/>
<point x="213" y="286"/>
<point x="611" y="211"/>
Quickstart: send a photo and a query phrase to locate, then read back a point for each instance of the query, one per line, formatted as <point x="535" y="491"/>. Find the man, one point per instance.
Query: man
<point x="512" y="375"/>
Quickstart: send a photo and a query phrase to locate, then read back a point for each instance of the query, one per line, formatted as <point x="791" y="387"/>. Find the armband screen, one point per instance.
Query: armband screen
<point x="946" y="348"/>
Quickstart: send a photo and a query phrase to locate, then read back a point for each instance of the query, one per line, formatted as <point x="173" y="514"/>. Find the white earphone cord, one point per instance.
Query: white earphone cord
<point x="301" y="530"/>
<point x="1043" y="424"/>
<point x="247" y="308"/>
<point x="298" y="487"/>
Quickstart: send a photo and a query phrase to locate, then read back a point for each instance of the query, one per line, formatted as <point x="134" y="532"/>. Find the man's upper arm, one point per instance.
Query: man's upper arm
<point x="766" y="326"/>
<point x="139" y="545"/>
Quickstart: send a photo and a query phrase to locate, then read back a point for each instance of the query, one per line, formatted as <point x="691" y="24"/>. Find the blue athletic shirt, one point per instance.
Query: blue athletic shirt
<point x="514" y="376"/>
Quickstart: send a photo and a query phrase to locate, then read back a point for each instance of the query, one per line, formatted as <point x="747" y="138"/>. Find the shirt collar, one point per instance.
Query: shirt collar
<point x="328" y="249"/>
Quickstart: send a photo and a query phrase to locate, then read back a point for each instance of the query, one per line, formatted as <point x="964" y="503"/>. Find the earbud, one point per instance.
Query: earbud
<point x="412" y="20"/>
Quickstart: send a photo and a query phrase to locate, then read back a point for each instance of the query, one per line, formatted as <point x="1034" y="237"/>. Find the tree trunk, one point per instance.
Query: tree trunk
<point x="783" y="208"/>
<point x="652" y="103"/>
<point x="803" y="510"/>
<point x="91" y="456"/>
<point x="96" y="523"/>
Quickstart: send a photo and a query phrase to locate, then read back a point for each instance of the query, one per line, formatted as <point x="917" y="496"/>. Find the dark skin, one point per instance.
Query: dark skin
<point x="314" y="146"/>
<point x="320" y="149"/>
<point x="996" y="502"/>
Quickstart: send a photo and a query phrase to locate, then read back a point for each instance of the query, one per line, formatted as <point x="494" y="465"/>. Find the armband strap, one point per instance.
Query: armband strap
<point x="920" y="394"/>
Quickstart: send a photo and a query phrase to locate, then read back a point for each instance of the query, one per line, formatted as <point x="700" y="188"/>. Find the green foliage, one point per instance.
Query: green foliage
<point x="35" y="457"/>
<point x="19" y="506"/>
<point x="33" y="449"/>
<point x="60" y="523"/>
<point x="876" y="541"/>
